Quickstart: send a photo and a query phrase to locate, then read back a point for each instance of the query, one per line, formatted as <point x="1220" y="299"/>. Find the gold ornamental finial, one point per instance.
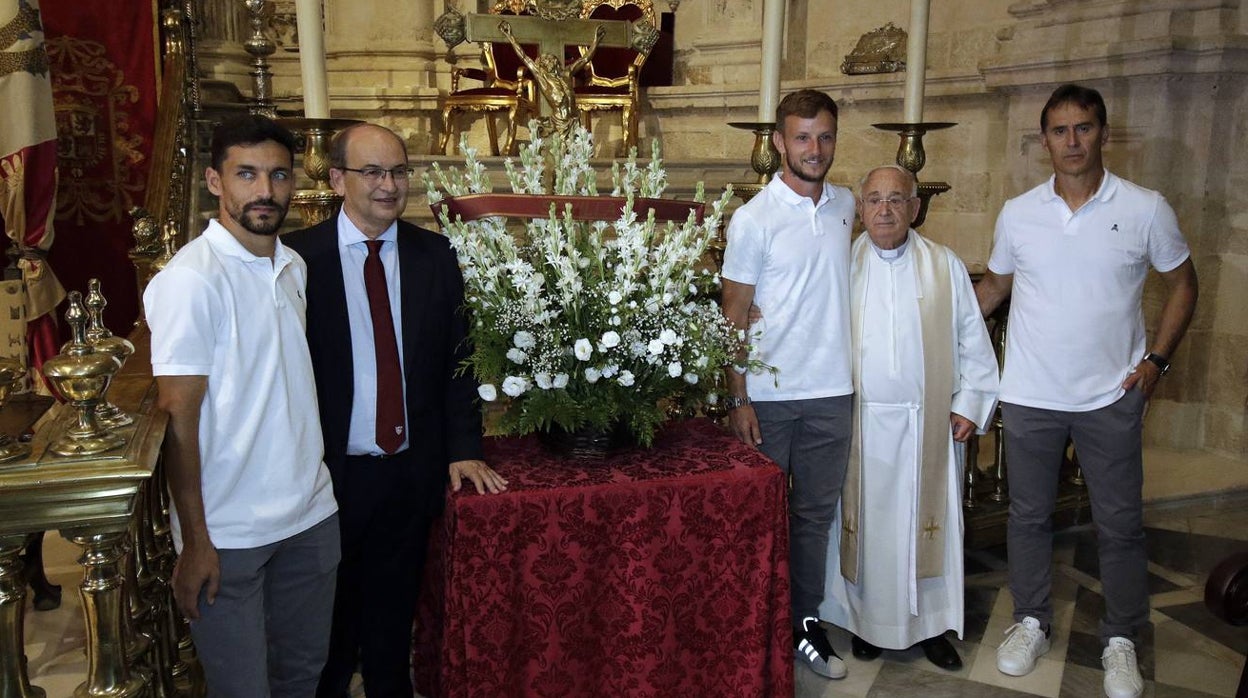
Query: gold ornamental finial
<point x="80" y="375"/>
<point x="120" y="348"/>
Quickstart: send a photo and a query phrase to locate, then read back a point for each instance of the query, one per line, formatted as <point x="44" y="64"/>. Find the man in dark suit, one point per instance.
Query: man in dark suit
<point x="387" y="335"/>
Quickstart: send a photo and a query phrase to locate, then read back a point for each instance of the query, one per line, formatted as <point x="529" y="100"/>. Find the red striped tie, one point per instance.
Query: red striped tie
<point x="389" y="374"/>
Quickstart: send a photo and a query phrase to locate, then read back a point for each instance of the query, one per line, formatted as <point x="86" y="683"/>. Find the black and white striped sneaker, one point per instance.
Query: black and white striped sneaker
<point x="810" y="644"/>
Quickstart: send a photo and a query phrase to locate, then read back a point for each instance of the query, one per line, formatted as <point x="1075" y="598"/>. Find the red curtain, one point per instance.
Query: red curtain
<point x="103" y="58"/>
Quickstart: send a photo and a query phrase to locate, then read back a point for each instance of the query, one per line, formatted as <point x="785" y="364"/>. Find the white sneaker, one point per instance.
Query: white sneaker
<point x="1122" y="672"/>
<point x="810" y="644"/>
<point x="1024" y="643"/>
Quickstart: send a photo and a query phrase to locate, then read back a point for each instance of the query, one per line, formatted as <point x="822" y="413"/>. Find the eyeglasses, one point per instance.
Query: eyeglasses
<point x="376" y="175"/>
<point x="892" y="201"/>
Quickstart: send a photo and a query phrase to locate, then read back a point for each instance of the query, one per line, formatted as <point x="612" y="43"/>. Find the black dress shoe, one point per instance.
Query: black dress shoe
<point x="864" y="650"/>
<point x="940" y="651"/>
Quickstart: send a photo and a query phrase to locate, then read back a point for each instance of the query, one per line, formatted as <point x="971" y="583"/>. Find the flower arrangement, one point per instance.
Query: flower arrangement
<point x="587" y="323"/>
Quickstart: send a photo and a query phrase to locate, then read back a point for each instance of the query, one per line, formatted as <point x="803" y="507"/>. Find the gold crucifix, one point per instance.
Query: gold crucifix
<point x="929" y="531"/>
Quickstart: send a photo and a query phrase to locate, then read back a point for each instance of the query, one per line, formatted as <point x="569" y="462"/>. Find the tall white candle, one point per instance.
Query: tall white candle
<point x="916" y="62"/>
<point x="773" y="37"/>
<point x="312" y="59"/>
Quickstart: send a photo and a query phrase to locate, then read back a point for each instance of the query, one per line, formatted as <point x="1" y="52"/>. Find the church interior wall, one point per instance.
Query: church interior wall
<point x="1172" y="71"/>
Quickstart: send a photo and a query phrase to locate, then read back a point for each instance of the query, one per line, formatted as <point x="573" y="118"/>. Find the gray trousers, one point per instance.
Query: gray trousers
<point x="1108" y="443"/>
<point x="809" y="440"/>
<point x="267" y="633"/>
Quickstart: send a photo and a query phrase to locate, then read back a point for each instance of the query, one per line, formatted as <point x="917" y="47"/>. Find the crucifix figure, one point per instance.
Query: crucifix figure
<point x="551" y="36"/>
<point x="554" y="79"/>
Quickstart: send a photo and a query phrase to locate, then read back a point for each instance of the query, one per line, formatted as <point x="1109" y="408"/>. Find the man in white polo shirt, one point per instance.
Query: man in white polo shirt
<point x="1074" y="253"/>
<point x="253" y="509"/>
<point x="788" y="252"/>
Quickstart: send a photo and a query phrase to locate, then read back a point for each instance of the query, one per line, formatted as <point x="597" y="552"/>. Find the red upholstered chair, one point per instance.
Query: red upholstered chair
<point x="611" y="81"/>
<point x="505" y="89"/>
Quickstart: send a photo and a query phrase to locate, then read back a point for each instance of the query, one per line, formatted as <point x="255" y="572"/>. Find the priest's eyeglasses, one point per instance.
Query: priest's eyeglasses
<point x="377" y="175"/>
<point x="892" y="201"/>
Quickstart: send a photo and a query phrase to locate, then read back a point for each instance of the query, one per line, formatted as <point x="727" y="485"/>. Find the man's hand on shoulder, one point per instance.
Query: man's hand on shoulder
<point x="198" y="568"/>
<point x="481" y="475"/>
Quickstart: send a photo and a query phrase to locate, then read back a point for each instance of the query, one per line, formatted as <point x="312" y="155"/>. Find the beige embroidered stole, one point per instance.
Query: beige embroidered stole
<point x="935" y="300"/>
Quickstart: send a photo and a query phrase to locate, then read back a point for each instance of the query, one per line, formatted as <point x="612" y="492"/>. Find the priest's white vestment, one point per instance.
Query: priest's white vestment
<point x="896" y="593"/>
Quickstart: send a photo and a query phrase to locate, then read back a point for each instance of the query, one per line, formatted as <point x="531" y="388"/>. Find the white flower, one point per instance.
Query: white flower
<point x="626" y="379"/>
<point x="592" y="374"/>
<point x="514" y="386"/>
<point x="516" y="356"/>
<point x="655" y="347"/>
<point x="614" y="297"/>
<point x="543" y="380"/>
<point x="561" y="381"/>
<point x="691" y="378"/>
<point x="524" y="340"/>
<point x="615" y="321"/>
<point x="674" y="370"/>
<point x="712" y="398"/>
<point x="610" y="339"/>
<point x="583" y="349"/>
<point x="610" y="370"/>
<point x="488" y="392"/>
<point x="668" y="337"/>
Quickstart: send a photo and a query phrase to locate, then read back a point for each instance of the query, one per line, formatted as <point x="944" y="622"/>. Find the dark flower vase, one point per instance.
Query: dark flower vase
<point x="588" y="443"/>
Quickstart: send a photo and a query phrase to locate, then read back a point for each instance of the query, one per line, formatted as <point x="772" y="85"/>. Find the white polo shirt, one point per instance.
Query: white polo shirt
<point x="795" y="253"/>
<point x="1076" y="326"/>
<point x="219" y="311"/>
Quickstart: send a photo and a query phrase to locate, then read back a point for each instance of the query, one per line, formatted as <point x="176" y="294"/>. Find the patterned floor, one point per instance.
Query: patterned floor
<point x="1185" y="652"/>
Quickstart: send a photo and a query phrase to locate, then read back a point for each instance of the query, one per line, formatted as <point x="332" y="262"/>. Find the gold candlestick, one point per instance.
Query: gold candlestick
<point x="912" y="156"/>
<point x="81" y="376"/>
<point x="764" y="158"/>
<point x="321" y="201"/>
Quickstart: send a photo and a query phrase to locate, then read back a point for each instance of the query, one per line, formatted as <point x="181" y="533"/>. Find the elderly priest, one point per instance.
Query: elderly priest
<point x="924" y="378"/>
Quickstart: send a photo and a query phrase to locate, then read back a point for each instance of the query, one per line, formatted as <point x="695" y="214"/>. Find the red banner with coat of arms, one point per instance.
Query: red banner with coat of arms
<point x="102" y="56"/>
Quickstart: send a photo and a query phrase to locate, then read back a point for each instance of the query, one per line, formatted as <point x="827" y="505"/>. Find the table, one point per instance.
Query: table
<point x="659" y="572"/>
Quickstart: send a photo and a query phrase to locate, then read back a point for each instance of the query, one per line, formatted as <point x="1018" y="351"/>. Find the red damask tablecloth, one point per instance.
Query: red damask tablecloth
<point x="661" y="572"/>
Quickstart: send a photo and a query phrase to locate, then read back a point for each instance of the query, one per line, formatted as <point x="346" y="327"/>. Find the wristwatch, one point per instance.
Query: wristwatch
<point x="1159" y="361"/>
<point x="732" y="402"/>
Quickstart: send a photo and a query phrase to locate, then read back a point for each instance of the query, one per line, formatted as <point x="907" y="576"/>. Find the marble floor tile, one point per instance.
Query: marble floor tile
<point x="1186" y="658"/>
<point x="977" y="610"/>
<point x="902" y="681"/>
<point x="1197" y="617"/>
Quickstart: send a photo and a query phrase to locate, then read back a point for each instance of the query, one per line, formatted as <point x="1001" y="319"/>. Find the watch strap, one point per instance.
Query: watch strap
<point x="1159" y="361"/>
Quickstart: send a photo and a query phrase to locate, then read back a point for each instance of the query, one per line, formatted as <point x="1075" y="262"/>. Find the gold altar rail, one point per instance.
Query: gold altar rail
<point x="114" y="507"/>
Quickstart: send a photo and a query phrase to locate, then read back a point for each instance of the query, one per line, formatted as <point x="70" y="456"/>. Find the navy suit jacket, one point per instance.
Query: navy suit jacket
<point x="443" y="417"/>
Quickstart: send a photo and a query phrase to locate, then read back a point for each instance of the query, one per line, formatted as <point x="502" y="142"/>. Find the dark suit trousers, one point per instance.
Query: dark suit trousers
<point x="385" y="530"/>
